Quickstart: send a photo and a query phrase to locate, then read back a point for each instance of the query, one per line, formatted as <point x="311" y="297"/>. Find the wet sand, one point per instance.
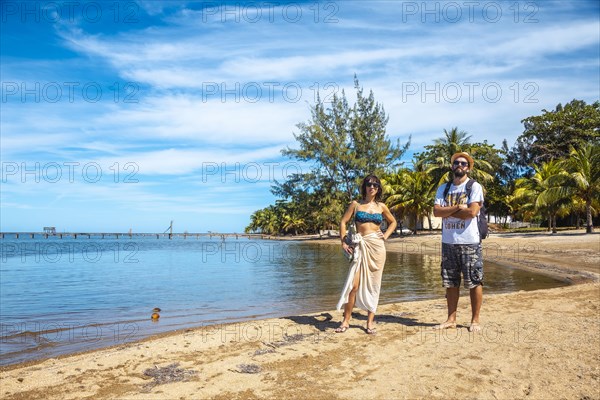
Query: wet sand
<point x="541" y="344"/>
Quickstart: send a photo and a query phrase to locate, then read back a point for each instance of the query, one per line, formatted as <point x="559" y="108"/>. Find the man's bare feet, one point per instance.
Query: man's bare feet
<point x="475" y="327"/>
<point x="446" y="325"/>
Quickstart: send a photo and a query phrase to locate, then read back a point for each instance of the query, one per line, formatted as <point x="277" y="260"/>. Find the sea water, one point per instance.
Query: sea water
<point x="59" y="296"/>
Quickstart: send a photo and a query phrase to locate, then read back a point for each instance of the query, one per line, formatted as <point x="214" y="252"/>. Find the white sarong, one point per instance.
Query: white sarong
<point x="369" y="259"/>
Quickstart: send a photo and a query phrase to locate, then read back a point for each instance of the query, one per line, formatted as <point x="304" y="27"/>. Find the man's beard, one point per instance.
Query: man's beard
<point x="459" y="172"/>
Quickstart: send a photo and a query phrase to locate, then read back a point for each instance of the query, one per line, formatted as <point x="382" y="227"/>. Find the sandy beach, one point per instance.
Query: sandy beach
<point x="542" y="344"/>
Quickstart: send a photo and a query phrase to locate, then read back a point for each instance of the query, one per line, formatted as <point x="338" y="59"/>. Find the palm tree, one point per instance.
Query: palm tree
<point x="437" y="162"/>
<point x="392" y="185"/>
<point x="539" y="193"/>
<point x="290" y="218"/>
<point x="264" y="221"/>
<point x="583" y="166"/>
<point x="292" y="223"/>
<point x="253" y="226"/>
<point x="442" y="150"/>
<point x="452" y="142"/>
<point x="414" y="194"/>
<point x="271" y="222"/>
<point x="577" y="209"/>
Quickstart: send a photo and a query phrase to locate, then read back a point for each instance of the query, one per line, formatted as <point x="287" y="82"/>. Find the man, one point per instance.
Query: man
<point x="461" y="243"/>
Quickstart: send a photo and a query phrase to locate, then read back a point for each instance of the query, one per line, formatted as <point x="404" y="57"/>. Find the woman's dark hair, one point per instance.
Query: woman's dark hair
<point x="371" y="179"/>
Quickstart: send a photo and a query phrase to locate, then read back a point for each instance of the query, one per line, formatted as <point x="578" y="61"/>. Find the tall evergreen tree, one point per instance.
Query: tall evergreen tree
<point x="342" y="144"/>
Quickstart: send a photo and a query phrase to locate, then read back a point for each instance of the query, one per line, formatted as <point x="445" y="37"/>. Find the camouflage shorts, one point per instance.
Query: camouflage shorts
<point x="465" y="258"/>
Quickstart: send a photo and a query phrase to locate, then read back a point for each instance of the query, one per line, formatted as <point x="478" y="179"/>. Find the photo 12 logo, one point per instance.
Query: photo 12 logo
<point x="455" y="92"/>
<point x="54" y="92"/>
<point x="251" y="252"/>
<point x="125" y="12"/>
<point x="69" y="332"/>
<point x="253" y="92"/>
<point x="53" y="172"/>
<point x="250" y="172"/>
<point x="69" y="252"/>
<point x="271" y="12"/>
<point x="265" y="332"/>
<point x="469" y="11"/>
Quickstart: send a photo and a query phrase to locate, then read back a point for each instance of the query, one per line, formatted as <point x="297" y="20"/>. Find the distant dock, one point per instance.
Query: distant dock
<point x="128" y="235"/>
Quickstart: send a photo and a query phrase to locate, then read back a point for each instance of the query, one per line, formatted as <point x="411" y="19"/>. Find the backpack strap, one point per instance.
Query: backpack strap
<point x="469" y="187"/>
<point x="447" y="189"/>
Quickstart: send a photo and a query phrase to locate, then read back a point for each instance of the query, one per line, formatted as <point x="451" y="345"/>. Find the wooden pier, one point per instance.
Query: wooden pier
<point x="129" y="235"/>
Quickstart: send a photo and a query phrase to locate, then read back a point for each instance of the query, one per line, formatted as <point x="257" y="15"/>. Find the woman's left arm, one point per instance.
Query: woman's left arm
<point x="391" y="221"/>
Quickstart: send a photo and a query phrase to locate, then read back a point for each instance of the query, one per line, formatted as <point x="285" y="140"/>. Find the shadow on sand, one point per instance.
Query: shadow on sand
<point x="324" y="321"/>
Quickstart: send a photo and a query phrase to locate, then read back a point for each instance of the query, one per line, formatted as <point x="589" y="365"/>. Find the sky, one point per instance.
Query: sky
<point x="127" y="115"/>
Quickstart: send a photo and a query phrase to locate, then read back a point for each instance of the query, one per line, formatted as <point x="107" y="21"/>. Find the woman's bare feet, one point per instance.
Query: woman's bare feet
<point x="475" y="327"/>
<point x="446" y="325"/>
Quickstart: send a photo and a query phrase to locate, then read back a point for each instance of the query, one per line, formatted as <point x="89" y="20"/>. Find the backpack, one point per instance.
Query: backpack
<point x="481" y="218"/>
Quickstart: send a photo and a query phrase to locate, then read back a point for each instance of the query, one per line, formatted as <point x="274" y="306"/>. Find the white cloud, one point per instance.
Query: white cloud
<point x="191" y="116"/>
<point x="182" y="162"/>
<point x="213" y="120"/>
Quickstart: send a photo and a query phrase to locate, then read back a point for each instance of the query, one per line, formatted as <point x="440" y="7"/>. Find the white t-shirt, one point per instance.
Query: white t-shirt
<point x="456" y="230"/>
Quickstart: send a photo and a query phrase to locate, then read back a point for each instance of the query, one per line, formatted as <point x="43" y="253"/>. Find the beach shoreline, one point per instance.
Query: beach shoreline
<point x="293" y="346"/>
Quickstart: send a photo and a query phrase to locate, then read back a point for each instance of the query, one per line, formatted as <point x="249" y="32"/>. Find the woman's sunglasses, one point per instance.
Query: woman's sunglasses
<point x="373" y="184"/>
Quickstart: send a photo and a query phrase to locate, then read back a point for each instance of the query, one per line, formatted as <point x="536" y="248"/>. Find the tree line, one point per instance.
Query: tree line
<point x="551" y="171"/>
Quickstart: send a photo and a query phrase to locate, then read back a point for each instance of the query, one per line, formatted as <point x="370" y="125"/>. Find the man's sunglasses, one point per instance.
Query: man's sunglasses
<point x="461" y="163"/>
<point x="373" y="184"/>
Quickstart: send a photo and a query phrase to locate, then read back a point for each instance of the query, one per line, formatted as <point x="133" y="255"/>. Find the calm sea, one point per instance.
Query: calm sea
<point x="59" y="296"/>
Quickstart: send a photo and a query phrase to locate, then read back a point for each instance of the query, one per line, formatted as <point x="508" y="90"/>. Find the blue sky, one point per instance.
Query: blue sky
<point x="127" y="115"/>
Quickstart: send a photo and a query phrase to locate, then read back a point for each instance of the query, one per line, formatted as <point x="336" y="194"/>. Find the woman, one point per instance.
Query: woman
<point x="364" y="278"/>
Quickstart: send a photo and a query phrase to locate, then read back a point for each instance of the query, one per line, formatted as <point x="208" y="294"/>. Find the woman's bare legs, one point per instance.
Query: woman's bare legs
<point x="371" y="322"/>
<point x="351" y="300"/>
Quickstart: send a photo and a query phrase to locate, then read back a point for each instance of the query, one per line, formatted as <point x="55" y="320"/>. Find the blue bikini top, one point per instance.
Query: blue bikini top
<point x="363" y="216"/>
